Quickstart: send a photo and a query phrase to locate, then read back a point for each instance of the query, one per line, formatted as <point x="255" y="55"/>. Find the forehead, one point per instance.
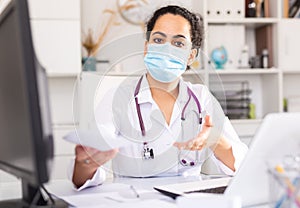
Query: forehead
<point x="171" y="24"/>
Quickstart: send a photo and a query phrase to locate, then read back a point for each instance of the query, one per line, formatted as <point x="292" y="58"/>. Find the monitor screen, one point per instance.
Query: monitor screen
<point x="26" y="145"/>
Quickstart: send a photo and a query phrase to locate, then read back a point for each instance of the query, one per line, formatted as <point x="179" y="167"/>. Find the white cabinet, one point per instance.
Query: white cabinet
<point x="289" y="44"/>
<point x="63" y="151"/>
<point x="54" y="9"/>
<point x="56" y="34"/>
<point x="57" y="45"/>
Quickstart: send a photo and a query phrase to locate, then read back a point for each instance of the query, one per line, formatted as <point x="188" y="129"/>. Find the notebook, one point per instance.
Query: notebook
<point x="277" y="136"/>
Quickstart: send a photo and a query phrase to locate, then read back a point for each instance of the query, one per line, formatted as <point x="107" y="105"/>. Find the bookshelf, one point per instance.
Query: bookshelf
<point x="269" y="86"/>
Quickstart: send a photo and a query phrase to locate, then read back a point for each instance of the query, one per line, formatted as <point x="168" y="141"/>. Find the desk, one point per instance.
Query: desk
<point x="104" y="194"/>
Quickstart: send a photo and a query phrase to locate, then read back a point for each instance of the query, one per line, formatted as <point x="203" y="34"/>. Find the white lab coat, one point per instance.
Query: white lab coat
<point x="117" y="113"/>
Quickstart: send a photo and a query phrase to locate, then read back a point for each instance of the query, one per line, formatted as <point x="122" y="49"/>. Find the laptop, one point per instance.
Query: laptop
<point x="277" y="136"/>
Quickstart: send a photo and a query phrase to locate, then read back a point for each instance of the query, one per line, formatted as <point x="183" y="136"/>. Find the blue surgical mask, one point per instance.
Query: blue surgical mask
<point x="166" y="62"/>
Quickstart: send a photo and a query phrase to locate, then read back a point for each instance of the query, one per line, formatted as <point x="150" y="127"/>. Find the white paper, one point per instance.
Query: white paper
<point x="103" y="141"/>
<point x="208" y="200"/>
<point x="114" y="195"/>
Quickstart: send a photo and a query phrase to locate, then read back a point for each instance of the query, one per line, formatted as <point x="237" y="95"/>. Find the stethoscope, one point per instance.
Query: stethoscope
<point x="147" y="152"/>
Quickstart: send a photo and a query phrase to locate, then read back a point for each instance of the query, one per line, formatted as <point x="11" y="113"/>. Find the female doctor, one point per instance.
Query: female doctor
<point x="172" y="125"/>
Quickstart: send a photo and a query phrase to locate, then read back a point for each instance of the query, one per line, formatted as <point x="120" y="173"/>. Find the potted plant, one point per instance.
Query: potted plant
<point x="92" y="44"/>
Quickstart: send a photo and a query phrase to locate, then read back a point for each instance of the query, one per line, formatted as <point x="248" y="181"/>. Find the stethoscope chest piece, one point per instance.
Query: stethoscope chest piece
<point x="147" y="152"/>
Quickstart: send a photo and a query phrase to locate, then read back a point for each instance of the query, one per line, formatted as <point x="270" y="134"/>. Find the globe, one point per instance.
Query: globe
<point x="219" y="57"/>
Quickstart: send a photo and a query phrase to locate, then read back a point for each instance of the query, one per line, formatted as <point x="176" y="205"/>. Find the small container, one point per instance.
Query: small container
<point x="284" y="184"/>
<point x="265" y="59"/>
<point x="255" y="62"/>
<point x="250" y="8"/>
<point x="244" y="60"/>
<point x="89" y="63"/>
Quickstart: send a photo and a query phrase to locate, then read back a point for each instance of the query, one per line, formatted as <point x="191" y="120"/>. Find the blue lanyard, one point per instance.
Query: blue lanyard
<point x="138" y="109"/>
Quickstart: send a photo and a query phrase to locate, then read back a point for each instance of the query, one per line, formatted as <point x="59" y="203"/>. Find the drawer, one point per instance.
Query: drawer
<point x="54" y="9"/>
<point x="57" y="45"/>
<point x="60" y="167"/>
<point x="61" y="92"/>
<point x="62" y="147"/>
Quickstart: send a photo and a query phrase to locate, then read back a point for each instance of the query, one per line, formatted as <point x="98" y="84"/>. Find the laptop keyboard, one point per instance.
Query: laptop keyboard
<point x="216" y="190"/>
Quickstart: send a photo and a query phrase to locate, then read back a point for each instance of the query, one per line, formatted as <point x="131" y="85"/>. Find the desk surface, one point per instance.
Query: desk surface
<point x="107" y="194"/>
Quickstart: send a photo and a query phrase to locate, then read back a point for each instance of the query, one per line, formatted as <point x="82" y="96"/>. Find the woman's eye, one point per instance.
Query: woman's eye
<point x="179" y="44"/>
<point x="158" y="40"/>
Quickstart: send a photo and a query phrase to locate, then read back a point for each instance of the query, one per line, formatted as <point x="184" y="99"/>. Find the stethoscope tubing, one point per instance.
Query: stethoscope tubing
<point x="138" y="109"/>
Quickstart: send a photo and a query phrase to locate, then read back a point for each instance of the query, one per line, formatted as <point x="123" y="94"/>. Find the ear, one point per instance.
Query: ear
<point x="145" y="48"/>
<point x="192" y="56"/>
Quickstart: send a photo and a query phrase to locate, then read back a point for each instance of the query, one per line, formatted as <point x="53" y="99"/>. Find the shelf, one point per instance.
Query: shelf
<point x="65" y="126"/>
<point x="246" y="121"/>
<point x="114" y="73"/>
<point x="62" y="75"/>
<point x="290" y="20"/>
<point x="124" y="73"/>
<point x="189" y="72"/>
<point x="194" y="72"/>
<point x="245" y="71"/>
<point x="249" y="22"/>
<point x="246" y="127"/>
<point x="291" y="72"/>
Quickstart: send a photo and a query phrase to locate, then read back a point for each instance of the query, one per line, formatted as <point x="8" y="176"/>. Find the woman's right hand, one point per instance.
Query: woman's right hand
<point x="87" y="162"/>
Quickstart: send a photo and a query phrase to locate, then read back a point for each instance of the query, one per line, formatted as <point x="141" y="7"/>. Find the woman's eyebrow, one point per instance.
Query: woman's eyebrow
<point x="160" y="33"/>
<point x="164" y="35"/>
<point x="179" y="36"/>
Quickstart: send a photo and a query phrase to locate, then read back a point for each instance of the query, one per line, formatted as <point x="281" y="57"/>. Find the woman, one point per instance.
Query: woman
<point x="158" y="110"/>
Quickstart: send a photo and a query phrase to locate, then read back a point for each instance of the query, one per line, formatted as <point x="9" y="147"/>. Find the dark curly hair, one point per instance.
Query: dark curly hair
<point x="195" y="20"/>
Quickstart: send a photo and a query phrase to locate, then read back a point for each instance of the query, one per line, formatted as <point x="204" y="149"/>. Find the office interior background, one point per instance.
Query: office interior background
<point x="260" y="43"/>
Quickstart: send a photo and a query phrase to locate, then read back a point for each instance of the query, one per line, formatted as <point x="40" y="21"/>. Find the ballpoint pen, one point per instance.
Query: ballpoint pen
<point x="134" y="191"/>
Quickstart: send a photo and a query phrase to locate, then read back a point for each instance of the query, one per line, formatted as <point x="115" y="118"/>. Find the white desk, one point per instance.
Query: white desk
<point x="107" y="194"/>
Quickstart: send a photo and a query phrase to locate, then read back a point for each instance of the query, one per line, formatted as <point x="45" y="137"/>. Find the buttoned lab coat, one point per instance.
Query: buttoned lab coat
<point x="117" y="113"/>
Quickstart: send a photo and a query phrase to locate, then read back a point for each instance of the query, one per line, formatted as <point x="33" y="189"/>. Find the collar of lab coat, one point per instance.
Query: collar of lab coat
<point x="144" y="95"/>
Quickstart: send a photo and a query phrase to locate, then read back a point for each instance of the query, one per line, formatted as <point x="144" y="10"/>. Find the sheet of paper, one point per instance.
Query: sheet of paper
<point x="208" y="200"/>
<point x="103" y="140"/>
<point x="110" y="195"/>
<point x="140" y="204"/>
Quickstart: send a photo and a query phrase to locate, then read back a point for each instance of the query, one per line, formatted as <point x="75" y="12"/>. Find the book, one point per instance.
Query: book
<point x="297" y="15"/>
<point x="266" y="8"/>
<point x="294" y="9"/>
<point x="285" y="11"/>
<point x="259" y="8"/>
<point x="264" y="40"/>
<point x="262" y="8"/>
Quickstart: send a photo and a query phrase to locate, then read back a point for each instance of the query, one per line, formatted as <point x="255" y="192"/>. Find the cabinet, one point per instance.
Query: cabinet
<point x="56" y="36"/>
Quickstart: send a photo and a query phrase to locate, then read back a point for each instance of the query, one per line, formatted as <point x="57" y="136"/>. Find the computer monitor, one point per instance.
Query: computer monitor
<point x="26" y="144"/>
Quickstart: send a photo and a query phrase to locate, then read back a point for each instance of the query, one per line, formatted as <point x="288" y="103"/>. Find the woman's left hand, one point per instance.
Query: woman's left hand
<point x="200" y="141"/>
